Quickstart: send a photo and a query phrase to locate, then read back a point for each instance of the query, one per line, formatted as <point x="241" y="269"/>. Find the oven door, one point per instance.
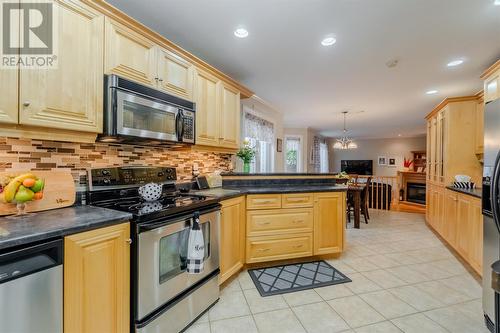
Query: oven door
<point x="162" y="255"/>
<point x="145" y="118"/>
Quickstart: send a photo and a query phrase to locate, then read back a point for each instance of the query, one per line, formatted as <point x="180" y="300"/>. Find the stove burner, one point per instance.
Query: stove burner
<point x="141" y="207"/>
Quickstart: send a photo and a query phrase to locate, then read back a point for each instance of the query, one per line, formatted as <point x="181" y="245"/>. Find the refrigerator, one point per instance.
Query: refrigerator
<point x="491" y="205"/>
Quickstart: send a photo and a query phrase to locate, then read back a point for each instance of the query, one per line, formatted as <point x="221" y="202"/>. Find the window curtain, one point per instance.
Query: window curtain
<point x="260" y="133"/>
<point x="258" y="128"/>
<point x="316" y="154"/>
<point x="324" y="163"/>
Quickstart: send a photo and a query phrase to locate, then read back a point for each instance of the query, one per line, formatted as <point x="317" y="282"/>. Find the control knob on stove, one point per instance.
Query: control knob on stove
<point x="106" y="181"/>
<point x="105" y="172"/>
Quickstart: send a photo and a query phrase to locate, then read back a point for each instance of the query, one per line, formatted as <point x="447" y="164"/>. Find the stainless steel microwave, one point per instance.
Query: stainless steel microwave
<point x="138" y="114"/>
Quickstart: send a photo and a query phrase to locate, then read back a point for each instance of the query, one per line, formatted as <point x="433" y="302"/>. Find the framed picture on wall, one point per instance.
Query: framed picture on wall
<point x="382" y="160"/>
<point x="392" y="162"/>
<point x="279" y="145"/>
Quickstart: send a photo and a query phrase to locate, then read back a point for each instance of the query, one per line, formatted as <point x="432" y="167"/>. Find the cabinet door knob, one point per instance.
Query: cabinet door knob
<point x="26" y="103"/>
<point x="160" y="79"/>
<point x="129" y="241"/>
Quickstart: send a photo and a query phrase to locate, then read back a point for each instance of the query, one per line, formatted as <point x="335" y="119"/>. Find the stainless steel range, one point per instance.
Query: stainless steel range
<point x="165" y="298"/>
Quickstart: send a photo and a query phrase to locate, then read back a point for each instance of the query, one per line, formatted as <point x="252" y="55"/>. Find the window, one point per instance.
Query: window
<point x="260" y="133"/>
<point x="323" y="157"/>
<point x="293" y="154"/>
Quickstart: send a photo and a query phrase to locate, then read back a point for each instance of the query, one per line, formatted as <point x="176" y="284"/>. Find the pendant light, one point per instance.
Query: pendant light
<point x="345" y="142"/>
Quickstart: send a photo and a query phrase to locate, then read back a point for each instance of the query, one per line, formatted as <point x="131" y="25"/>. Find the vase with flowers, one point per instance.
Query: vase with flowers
<point x="246" y="153"/>
<point x="407" y="164"/>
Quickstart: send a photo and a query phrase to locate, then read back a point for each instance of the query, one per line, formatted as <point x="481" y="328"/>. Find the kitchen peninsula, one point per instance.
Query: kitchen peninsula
<point x="279" y="216"/>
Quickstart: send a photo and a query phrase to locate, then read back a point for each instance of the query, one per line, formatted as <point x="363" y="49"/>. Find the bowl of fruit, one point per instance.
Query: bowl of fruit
<point x="21" y="189"/>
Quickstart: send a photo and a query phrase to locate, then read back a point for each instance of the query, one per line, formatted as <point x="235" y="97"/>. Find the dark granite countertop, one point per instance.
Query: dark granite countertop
<point x="278" y="174"/>
<point x="56" y="223"/>
<point x="476" y="192"/>
<point x="227" y="192"/>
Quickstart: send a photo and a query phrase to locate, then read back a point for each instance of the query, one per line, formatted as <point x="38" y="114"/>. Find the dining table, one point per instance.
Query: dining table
<point x="354" y="191"/>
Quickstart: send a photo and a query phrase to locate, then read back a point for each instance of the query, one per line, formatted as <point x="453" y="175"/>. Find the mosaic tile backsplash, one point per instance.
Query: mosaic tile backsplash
<point x="77" y="157"/>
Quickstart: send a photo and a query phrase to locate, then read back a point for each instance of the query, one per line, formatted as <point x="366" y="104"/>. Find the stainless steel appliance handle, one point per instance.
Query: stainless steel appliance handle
<point x="179" y="125"/>
<point x="494" y="193"/>
<point x="173" y="222"/>
<point x="30" y="260"/>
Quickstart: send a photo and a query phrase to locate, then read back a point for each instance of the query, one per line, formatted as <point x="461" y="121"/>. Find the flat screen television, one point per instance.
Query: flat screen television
<point x="358" y="167"/>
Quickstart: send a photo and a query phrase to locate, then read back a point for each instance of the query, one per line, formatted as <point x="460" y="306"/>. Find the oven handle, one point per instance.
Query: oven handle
<point x="175" y="219"/>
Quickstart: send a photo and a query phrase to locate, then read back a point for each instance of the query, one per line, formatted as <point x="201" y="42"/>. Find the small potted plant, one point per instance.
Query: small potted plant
<point x="407" y="164"/>
<point x="246" y="153"/>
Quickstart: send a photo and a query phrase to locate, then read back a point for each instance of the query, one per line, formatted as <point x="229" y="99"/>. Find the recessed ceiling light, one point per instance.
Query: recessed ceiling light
<point x="456" y="62"/>
<point x="241" y="33"/>
<point x="328" y="41"/>
<point x="431" y="92"/>
<point x="400" y="135"/>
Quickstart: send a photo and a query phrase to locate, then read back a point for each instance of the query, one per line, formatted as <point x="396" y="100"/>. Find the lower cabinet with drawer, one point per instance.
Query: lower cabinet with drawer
<point x="267" y="248"/>
<point x="286" y="226"/>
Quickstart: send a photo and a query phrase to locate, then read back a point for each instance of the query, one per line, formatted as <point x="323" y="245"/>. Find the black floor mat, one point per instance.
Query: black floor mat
<point x="289" y="278"/>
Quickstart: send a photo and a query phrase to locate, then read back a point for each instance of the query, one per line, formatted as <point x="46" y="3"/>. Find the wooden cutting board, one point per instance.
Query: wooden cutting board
<point x="59" y="191"/>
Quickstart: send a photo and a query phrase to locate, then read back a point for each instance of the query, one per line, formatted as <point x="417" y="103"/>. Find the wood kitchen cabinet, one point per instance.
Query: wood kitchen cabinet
<point x="491" y="79"/>
<point x="452" y="208"/>
<point x="207" y="109"/>
<point x="461" y="226"/>
<point x="175" y="74"/>
<point x="232" y="234"/>
<point x="294" y="225"/>
<point x="229" y="116"/>
<point x="68" y="97"/>
<point x="329" y="222"/>
<point x="129" y="54"/>
<point x="97" y="280"/>
<point x="217" y="112"/>
<point x="479" y="138"/>
<point x="9" y="111"/>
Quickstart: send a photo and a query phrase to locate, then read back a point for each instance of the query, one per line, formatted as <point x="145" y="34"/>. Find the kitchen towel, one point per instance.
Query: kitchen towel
<point x="196" y="247"/>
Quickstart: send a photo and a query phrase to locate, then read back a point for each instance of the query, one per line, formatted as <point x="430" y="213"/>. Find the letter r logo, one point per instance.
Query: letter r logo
<point x="27" y="28"/>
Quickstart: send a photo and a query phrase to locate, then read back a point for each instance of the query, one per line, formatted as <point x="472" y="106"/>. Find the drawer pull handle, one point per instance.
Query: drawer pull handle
<point x="264" y="201"/>
<point x="264" y="223"/>
<point x="298" y="246"/>
<point x="264" y="250"/>
<point x="297" y="200"/>
<point x="298" y="221"/>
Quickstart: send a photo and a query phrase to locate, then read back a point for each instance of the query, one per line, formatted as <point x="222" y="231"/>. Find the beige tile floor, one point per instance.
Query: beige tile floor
<point x="404" y="280"/>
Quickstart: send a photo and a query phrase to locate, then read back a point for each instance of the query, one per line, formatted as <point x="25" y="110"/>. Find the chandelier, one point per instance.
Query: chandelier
<point x="345" y="142"/>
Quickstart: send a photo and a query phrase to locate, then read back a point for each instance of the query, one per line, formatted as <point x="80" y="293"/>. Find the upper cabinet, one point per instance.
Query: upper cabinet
<point x="135" y="57"/>
<point x="217" y="112"/>
<point x="175" y="75"/>
<point x="8" y="102"/>
<point x="65" y="102"/>
<point x="230" y="117"/>
<point x="450" y="155"/>
<point x="69" y="96"/>
<point x="129" y="54"/>
<point x="479" y="139"/>
<point x="207" y="109"/>
<point x="491" y="79"/>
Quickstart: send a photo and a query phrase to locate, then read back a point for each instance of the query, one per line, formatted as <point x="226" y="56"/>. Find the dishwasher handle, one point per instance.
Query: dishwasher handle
<point x="30" y="260"/>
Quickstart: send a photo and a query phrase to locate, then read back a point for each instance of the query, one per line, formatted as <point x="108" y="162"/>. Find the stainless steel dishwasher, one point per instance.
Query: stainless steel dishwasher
<point x="31" y="289"/>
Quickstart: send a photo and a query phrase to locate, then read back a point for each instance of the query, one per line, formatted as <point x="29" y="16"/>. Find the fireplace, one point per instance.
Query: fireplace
<point x="415" y="193"/>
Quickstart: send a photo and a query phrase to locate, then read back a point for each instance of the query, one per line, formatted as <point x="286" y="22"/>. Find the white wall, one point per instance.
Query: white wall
<point x="264" y="110"/>
<point x="371" y="149"/>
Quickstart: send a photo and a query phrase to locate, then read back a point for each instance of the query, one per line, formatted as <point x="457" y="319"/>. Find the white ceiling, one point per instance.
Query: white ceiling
<point x="283" y="62"/>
